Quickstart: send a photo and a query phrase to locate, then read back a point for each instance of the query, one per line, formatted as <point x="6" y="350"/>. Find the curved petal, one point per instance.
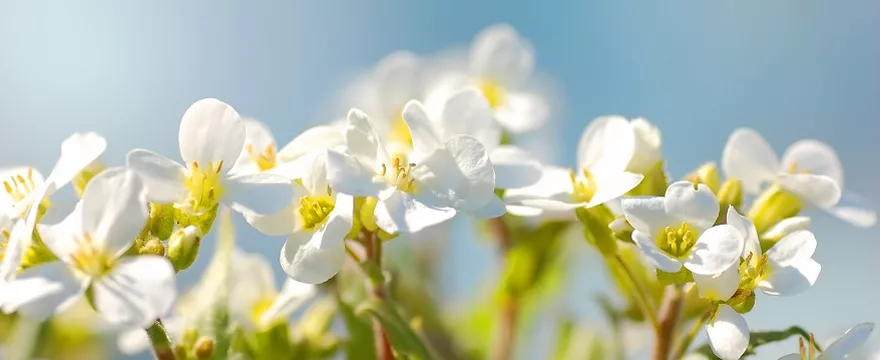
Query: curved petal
<point x="397" y="79"/>
<point x="555" y="183"/>
<point x="138" y="290"/>
<point x="282" y="222"/>
<point x="467" y="112"/>
<point x="77" y="152"/>
<point x="524" y="211"/>
<point x="854" y="210"/>
<point x="60" y="238"/>
<point x="292" y="295"/>
<point x="362" y="141"/>
<point x="814" y="157"/>
<point x="314" y="178"/>
<point x="655" y="256"/>
<point x="257" y="193"/>
<point x="745" y="227"/>
<point x="163" y="178"/>
<point x="514" y="167"/>
<point x="607" y="145"/>
<point x="318" y="137"/>
<point x="749" y="158"/>
<point x="818" y="190"/>
<point x="461" y="177"/>
<point x="424" y="136"/>
<point x="611" y="186"/>
<point x="42" y="291"/>
<point x="787" y="226"/>
<point x="791" y="280"/>
<point x="718" y="287"/>
<point x="346" y="175"/>
<point x="492" y="209"/>
<point x="548" y="204"/>
<point x="795" y="247"/>
<point x="728" y="334"/>
<point x="402" y="213"/>
<point x="522" y="112"/>
<point x="257" y="139"/>
<point x="500" y="54"/>
<point x="317" y="258"/>
<point x="646" y="214"/>
<point x="851" y="340"/>
<point x="647" y="152"/>
<point x="717" y="249"/>
<point x="211" y="131"/>
<point x="114" y="210"/>
<point x="692" y="203"/>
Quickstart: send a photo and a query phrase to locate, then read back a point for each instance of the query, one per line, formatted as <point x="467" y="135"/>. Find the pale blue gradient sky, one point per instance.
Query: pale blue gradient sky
<point x="790" y="69"/>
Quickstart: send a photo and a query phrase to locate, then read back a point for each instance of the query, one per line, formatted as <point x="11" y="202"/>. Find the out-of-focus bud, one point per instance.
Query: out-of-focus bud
<point x="162" y="220"/>
<point x="774" y="205"/>
<point x="597" y="232"/>
<point x="82" y="179"/>
<point x="742" y="302"/>
<point x="681" y="277"/>
<point x="729" y="195"/>
<point x="183" y="247"/>
<point x="654" y="184"/>
<point x="204" y="348"/>
<point x="707" y="175"/>
<point x="366" y="214"/>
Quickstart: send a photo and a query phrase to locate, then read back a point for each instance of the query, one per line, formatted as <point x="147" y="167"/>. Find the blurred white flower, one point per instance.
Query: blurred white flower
<point x="415" y="189"/>
<point x="851" y="340"/>
<point x="261" y="153"/>
<point x="254" y="301"/>
<point x="212" y="136"/>
<point x="89" y="243"/>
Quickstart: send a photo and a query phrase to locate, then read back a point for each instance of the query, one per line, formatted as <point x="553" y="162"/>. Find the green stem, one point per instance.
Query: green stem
<point x="641" y="293"/>
<point x="667" y="321"/>
<point x="506" y="337"/>
<point x="689" y="337"/>
<point x="160" y="341"/>
<point x="373" y="246"/>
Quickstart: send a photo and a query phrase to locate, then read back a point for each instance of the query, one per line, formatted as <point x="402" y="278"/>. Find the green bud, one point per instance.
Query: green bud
<point x="188" y="337"/>
<point x="742" y="302"/>
<point x="180" y="352"/>
<point x="707" y="175"/>
<point x="368" y="220"/>
<point x="654" y="183"/>
<point x="356" y="224"/>
<point x="681" y="277"/>
<point x="772" y="206"/>
<point x="183" y="247"/>
<point x="204" y="220"/>
<point x="596" y="230"/>
<point x="82" y="179"/>
<point x="730" y="194"/>
<point x="204" y="348"/>
<point x="152" y="246"/>
<point x="162" y="220"/>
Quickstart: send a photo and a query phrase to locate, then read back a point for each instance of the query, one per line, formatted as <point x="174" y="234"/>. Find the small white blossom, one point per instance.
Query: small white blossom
<point x="261" y="152"/>
<point x="851" y="340"/>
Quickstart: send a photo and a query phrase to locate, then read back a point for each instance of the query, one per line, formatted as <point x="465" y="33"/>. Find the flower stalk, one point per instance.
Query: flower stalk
<point x="373" y="246"/>
<point x="667" y="321"/>
<point x="506" y="338"/>
<point x="160" y="341"/>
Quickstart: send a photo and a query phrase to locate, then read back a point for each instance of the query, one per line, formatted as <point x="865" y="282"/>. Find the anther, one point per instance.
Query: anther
<point x="384" y="170"/>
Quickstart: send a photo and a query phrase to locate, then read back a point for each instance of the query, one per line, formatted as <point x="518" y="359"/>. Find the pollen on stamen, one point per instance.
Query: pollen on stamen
<point x="219" y="166"/>
<point x="383" y="171"/>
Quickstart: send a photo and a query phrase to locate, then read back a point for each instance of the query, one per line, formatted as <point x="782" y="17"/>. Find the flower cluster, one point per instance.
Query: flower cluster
<point x="421" y="145"/>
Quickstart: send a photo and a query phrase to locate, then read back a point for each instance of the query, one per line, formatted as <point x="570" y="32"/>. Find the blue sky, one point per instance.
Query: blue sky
<point x="790" y="69"/>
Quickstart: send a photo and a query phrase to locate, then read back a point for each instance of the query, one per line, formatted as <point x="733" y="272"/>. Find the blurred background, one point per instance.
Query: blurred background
<point x="698" y="70"/>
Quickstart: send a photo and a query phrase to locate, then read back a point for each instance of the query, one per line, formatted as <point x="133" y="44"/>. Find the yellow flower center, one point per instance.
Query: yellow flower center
<point x="314" y="210"/>
<point x="18" y="186"/>
<point x="88" y="259"/>
<point x="584" y="187"/>
<point x="398" y="174"/>
<point x="204" y="186"/>
<point x="3" y="242"/>
<point x="400" y="131"/>
<point x="493" y="92"/>
<point x="265" y="160"/>
<point x="677" y="242"/>
<point x="260" y="306"/>
<point x="752" y="270"/>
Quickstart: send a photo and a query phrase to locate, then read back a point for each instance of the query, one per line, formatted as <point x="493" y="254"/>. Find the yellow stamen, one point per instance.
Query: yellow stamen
<point x="677" y="242"/>
<point x="493" y="92"/>
<point x="314" y="210"/>
<point x="88" y="259"/>
<point x="584" y="187"/>
<point x="205" y="188"/>
<point x="265" y="159"/>
<point x="399" y="175"/>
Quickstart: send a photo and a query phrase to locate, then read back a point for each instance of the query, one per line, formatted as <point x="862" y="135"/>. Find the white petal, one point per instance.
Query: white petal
<point x="655" y="256"/>
<point x="114" y="210"/>
<point x="250" y="281"/>
<point x="514" y="167"/>
<point x="524" y="211"/>
<point x="717" y="249"/>
<point x="257" y="138"/>
<point x="854" y="210"/>
<point x="647" y="151"/>
<point x="646" y="213"/>
<point x="787" y="226"/>
<point x="77" y="152"/>
<point x="814" y="157"/>
<point x="791" y="280"/>
<point x="610" y="186"/>
<point x="555" y="183"/>
<point x="692" y="203"/>
<point x="795" y="247"/>
<point x="347" y="175"/>
<point x="138" y="290"/>
<point x="361" y="139"/>
<point x="9" y="175"/>
<point x="282" y="222"/>
<point x="818" y="190"/>
<point x="163" y="178"/>
<point x="745" y="227"/>
<point x="60" y="238"/>
<point x="211" y="131"/>
<point x="292" y="295"/>
<point x="848" y="342"/>
<point x="460" y="177"/>
<point x="318" y="137"/>
<point x="607" y="145"/>
<point x="522" y="112"/>
<point x="467" y="112"/>
<point x="396" y="80"/>
<point x="748" y="157"/>
<point x="20" y="239"/>
<point x="492" y="209"/>
<point x="401" y="213"/>
<point x="548" y="204"/>
<point x="500" y="54"/>
<point x="317" y="258"/>
<point x="728" y="334"/>
<point x="424" y="136"/>
<point x="718" y="287"/>
<point x="257" y="193"/>
<point x="43" y="290"/>
<point x="315" y="176"/>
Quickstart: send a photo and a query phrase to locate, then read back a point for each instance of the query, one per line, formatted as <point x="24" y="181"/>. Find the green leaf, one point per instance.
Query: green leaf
<point x="403" y="339"/>
<point x="360" y="344"/>
<point x="759" y="338"/>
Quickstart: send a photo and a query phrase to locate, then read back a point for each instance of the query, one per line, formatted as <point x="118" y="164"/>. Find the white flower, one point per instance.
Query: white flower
<point x="809" y="169"/>
<point x="211" y="139"/>
<point x="646" y="146"/>
<point x="318" y="219"/>
<point x="89" y="243"/>
<point x="24" y="187"/>
<point x="501" y="64"/>
<point x="254" y="301"/>
<point x="677" y="230"/>
<point x="605" y="150"/>
<point x="261" y="153"/>
<point x="423" y="187"/>
<point x="728" y="333"/>
<point x="851" y="340"/>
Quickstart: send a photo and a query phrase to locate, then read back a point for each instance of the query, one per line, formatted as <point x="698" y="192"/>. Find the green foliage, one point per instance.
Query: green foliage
<point x="360" y="344"/>
<point x="404" y="340"/>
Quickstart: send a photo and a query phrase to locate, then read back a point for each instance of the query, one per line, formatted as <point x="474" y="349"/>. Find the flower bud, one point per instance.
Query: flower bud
<point x="183" y="247"/>
<point x="82" y="179"/>
<point x="774" y="205"/>
<point x="596" y="222"/>
<point x="162" y="220"/>
<point x="729" y="195"/>
<point x="204" y="348"/>
<point x="368" y="220"/>
<point x="681" y="277"/>
<point x="654" y="183"/>
<point x="742" y="302"/>
<point x="707" y="175"/>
